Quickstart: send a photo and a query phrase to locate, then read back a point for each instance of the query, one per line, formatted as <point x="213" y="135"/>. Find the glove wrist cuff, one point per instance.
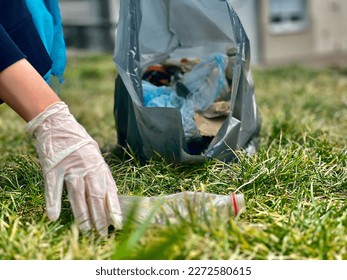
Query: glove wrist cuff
<point x="52" y="109"/>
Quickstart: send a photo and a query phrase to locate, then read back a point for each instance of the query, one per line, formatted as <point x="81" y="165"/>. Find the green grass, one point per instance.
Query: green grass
<point x="295" y="185"/>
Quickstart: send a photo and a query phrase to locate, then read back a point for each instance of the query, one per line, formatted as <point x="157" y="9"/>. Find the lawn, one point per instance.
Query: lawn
<point x="295" y="185"/>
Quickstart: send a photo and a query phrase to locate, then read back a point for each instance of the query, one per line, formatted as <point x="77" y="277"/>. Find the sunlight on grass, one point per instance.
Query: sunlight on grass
<point x="295" y="185"/>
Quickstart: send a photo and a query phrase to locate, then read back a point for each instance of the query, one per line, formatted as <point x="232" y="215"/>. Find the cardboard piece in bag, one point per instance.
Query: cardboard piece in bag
<point x="210" y="121"/>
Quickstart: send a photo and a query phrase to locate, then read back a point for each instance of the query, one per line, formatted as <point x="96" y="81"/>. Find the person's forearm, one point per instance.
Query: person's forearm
<point x="25" y="91"/>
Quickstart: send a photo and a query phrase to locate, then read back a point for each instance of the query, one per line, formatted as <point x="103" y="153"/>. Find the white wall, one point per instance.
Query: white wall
<point x="330" y="25"/>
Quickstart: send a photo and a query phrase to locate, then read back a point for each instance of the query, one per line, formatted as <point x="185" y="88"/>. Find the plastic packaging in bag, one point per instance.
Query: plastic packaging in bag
<point x="172" y="208"/>
<point x="207" y="80"/>
<point x="158" y="96"/>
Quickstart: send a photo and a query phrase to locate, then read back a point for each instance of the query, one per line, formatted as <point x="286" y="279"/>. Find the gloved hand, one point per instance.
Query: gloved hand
<point x="70" y="157"/>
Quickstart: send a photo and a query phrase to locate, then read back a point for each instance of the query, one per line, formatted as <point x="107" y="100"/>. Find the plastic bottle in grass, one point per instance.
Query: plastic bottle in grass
<point x="175" y="207"/>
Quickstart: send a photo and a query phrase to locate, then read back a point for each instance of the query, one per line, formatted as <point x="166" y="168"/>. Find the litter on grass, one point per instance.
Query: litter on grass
<point x="175" y="207"/>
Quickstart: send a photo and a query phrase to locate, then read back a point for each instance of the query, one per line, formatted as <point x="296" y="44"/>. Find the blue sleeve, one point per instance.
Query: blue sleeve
<point x="47" y="20"/>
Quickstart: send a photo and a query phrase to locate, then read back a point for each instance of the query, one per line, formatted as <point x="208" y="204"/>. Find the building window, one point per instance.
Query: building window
<point x="288" y="16"/>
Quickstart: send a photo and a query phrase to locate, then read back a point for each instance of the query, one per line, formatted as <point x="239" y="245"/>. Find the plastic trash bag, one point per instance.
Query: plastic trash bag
<point x="152" y="31"/>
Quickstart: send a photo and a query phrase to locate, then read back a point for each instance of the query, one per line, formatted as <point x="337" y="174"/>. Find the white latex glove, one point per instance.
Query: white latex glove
<point x="70" y="157"/>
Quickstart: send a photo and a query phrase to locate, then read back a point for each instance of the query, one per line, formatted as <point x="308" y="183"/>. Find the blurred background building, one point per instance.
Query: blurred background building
<point x="90" y="24"/>
<point x="280" y="31"/>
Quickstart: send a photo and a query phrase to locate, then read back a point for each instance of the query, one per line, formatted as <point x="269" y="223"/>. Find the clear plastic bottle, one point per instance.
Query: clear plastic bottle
<point x="172" y="208"/>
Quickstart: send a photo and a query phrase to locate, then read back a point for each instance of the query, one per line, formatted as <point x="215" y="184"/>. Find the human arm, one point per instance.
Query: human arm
<point x="68" y="155"/>
<point x="24" y="90"/>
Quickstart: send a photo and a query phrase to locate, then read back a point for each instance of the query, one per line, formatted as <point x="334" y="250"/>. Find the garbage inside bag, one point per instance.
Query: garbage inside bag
<point x="175" y="207"/>
<point x="206" y="126"/>
<point x="190" y="89"/>
<point x="162" y="96"/>
<point x="157" y="75"/>
<point x="211" y="120"/>
<point x="175" y="61"/>
<point x="206" y="80"/>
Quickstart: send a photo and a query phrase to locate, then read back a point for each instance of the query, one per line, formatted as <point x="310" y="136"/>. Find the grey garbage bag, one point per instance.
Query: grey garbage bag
<point x="152" y="31"/>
